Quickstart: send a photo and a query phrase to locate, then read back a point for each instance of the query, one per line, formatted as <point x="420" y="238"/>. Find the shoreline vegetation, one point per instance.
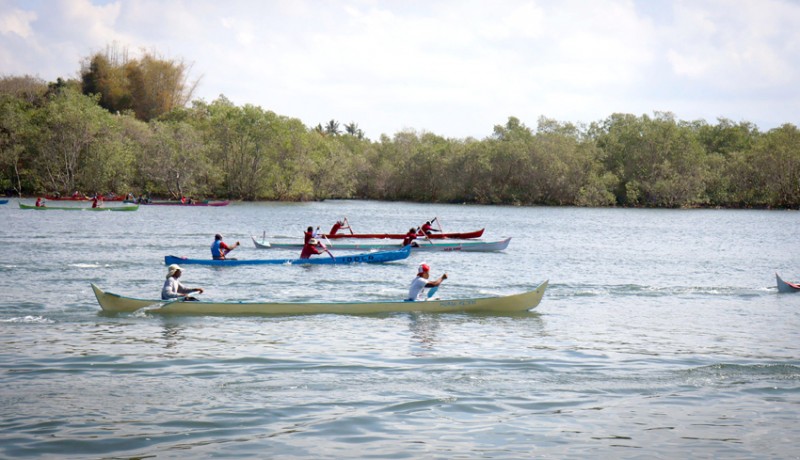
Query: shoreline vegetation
<point x="131" y="126"/>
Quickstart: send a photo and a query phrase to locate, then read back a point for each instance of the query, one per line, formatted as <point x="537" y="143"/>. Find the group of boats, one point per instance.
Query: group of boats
<point x="126" y="206"/>
<point x="378" y="252"/>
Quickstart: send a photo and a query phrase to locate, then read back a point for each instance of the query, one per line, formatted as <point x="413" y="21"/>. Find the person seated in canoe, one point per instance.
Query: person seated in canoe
<point x="94" y="202"/>
<point x="427" y="228"/>
<point x="410" y="237"/>
<point x="417" y="290"/>
<point x="219" y="249"/>
<point x="173" y="289"/>
<point x="311" y="249"/>
<point x="39" y="202"/>
<point x="340" y="224"/>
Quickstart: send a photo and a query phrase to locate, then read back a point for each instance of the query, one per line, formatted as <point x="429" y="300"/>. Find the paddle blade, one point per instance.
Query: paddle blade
<point x="433" y="291"/>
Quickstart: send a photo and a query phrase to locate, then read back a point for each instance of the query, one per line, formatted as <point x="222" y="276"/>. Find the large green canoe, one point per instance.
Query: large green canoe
<point x="78" y="208"/>
<point x="114" y="303"/>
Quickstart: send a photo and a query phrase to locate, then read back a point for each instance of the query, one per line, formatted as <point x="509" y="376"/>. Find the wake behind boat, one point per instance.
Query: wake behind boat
<point x="366" y="258"/>
<point x="784" y="286"/>
<point x="80" y="208"/>
<point x="422" y="246"/>
<point x="516" y="303"/>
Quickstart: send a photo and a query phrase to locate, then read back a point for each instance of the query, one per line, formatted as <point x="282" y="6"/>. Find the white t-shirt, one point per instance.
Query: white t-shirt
<point x="417" y="289"/>
<point x="173" y="289"/>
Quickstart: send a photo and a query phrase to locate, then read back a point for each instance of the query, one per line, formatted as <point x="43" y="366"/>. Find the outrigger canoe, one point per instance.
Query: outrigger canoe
<point x="400" y="236"/>
<point x="322" y="259"/>
<point x="784" y="286"/>
<point x="77" y="208"/>
<point x="464" y="246"/>
<point x="115" y="303"/>
<point x="193" y="203"/>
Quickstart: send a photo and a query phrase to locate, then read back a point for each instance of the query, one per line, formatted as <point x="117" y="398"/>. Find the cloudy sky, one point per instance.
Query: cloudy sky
<point x="452" y="67"/>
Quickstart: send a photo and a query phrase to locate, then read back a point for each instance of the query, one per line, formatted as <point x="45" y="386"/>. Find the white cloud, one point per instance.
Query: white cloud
<point x="453" y="67"/>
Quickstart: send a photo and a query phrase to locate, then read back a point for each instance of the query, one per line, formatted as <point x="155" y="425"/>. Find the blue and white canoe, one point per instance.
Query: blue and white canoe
<point x="323" y="259"/>
<point x="422" y="246"/>
<point x="784" y="286"/>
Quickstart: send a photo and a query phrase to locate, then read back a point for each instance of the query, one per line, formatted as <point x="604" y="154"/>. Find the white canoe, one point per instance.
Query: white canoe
<point x="115" y="303"/>
<point x="424" y="246"/>
<point x="784" y="286"/>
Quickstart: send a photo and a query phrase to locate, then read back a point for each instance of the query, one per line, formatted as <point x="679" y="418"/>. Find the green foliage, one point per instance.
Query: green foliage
<point x="55" y="139"/>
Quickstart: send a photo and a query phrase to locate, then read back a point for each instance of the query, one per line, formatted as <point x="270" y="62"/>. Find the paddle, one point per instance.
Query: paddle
<point x="433" y="291"/>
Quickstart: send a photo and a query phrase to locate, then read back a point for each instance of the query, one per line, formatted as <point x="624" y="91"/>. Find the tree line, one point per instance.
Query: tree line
<point x="129" y="126"/>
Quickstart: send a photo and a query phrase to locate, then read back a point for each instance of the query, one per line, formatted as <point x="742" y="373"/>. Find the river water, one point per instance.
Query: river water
<point x="662" y="335"/>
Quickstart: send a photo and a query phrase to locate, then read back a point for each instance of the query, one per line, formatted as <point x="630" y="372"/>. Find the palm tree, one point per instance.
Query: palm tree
<point x="332" y="127"/>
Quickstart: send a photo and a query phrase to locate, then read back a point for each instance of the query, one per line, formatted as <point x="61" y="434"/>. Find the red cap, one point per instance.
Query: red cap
<point x="423" y="268"/>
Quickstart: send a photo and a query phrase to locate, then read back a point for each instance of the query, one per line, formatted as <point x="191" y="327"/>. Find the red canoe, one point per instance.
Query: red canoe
<point x="400" y="236"/>
<point x="194" y="203"/>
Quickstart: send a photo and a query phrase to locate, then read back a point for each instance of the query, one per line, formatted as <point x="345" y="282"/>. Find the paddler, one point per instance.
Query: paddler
<point x="417" y="290"/>
<point x="219" y="250"/>
<point x="173" y="289"/>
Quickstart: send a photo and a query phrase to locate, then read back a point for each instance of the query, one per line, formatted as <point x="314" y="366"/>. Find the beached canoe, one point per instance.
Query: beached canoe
<point x="400" y="236"/>
<point x="80" y="208"/>
<point x="194" y="203"/>
<point x="115" y="303"/>
<point x="784" y="286"/>
<point x="424" y="246"/>
<point x="322" y="259"/>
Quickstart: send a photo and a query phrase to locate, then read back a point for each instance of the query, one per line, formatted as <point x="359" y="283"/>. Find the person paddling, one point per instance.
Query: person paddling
<point x="219" y="250"/>
<point x="416" y="292"/>
<point x="173" y="289"/>
<point x="410" y="237"/>
<point x="39" y="202"/>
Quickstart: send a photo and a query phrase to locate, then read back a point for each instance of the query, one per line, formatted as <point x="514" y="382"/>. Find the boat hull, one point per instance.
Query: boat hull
<point x="76" y="208"/>
<point x="323" y="259"/>
<point x="400" y="236"/>
<point x="783" y="286"/>
<point x="178" y="203"/>
<point x="3" y="201"/>
<point x="114" y="303"/>
<point x="465" y="246"/>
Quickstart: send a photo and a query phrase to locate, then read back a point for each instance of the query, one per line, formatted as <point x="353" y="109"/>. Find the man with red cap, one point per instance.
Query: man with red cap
<point x="417" y="290"/>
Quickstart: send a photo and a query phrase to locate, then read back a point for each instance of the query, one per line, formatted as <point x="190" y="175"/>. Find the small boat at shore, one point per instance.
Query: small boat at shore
<point x="366" y="258"/>
<point x="78" y="208"/>
<point x="784" y="286"/>
<point x="515" y="303"/>
<point x="423" y="246"/>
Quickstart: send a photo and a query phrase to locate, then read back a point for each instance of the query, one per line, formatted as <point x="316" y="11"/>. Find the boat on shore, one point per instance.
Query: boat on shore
<point x="785" y="286"/>
<point x="423" y="246"/>
<point x="515" y="303"/>
<point x="365" y="258"/>
<point x="191" y="203"/>
<point x="78" y="208"/>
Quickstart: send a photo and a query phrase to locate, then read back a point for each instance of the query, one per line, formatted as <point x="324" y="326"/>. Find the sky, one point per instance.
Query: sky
<point x="455" y="68"/>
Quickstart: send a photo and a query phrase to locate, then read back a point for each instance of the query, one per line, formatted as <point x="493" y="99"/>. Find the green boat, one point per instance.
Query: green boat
<point x="515" y="303"/>
<point x="76" y="208"/>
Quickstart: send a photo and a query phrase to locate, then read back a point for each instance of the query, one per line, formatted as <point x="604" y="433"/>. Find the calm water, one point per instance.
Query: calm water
<point x="662" y="336"/>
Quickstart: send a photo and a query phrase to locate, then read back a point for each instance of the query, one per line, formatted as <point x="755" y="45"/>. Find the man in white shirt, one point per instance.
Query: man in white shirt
<point x="417" y="290"/>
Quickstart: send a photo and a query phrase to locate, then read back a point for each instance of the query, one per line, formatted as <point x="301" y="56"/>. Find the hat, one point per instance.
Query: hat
<point x="172" y="269"/>
<point x="423" y="267"/>
<point x="313" y="241"/>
